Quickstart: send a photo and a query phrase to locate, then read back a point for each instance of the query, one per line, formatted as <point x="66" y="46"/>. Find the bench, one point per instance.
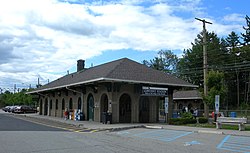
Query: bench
<point x="231" y="120"/>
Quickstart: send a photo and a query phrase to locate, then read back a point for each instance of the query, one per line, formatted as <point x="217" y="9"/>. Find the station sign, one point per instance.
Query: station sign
<point x="166" y="105"/>
<point x="217" y="104"/>
<point x="154" y="91"/>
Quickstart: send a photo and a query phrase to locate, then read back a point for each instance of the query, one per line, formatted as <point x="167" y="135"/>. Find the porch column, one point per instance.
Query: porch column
<point x="170" y="104"/>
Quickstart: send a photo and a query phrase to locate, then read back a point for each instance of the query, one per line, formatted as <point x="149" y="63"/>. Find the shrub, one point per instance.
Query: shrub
<point x="187" y="115"/>
<point x="182" y="121"/>
<point x="203" y="120"/>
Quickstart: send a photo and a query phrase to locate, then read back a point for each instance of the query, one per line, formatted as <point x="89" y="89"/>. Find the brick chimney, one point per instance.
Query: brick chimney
<point x="80" y="65"/>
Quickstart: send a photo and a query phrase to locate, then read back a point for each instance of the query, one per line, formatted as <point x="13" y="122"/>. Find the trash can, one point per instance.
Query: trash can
<point x="109" y="118"/>
<point x="233" y="114"/>
<point x="175" y="115"/>
<point x="82" y="117"/>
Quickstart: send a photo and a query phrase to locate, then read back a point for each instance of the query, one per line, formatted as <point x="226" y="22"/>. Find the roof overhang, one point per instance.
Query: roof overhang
<point x="113" y="80"/>
<point x="188" y="98"/>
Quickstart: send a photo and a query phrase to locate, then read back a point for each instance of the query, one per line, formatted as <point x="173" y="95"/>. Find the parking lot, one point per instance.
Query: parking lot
<point x="176" y="139"/>
<point x="190" y="140"/>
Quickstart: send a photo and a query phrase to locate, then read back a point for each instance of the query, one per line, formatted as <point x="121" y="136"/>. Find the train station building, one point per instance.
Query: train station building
<point x="130" y="91"/>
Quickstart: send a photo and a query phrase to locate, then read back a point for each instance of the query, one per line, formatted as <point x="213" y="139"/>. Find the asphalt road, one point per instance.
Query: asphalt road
<point x="9" y="123"/>
<point x="17" y="135"/>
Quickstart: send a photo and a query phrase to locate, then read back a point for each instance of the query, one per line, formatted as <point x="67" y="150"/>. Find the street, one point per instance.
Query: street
<point x="18" y="135"/>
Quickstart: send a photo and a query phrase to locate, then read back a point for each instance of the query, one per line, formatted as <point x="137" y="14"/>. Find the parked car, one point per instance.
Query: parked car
<point x="6" y="108"/>
<point x="11" y="109"/>
<point x="25" y="109"/>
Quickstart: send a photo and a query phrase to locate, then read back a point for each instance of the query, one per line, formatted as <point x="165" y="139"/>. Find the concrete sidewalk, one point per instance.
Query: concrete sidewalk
<point x="120" y="126"/>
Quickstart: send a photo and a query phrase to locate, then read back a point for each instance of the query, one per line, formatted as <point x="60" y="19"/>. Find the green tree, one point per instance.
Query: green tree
<point x="190" y="66"/>
<point x="246" y="35"/>
<point x="233" y="42"/>
<point x="16" y="99"/>
<point x="166" y="61"/>
<point x="215" y="83"/>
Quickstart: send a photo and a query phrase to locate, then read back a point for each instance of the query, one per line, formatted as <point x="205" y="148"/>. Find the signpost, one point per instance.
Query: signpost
<point x="166" y="105"/>
<point x="166" y="108"/>
<point x="217" y="106"/>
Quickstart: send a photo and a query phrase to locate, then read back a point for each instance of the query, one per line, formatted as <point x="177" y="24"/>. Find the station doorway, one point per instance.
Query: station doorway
<point x="125" y="109"/>
<point x="46" y="107"/>
<point x="103" y="105"/>
<point x="90" y="107"/>
<point x="144" y="110"/>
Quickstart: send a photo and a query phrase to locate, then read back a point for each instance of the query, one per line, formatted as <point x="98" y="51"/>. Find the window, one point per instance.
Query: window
<point x="63" y="104"/>
<point x="50" y="104"/>
<point x="70" y="104"/>
<point x="56" y="104"/>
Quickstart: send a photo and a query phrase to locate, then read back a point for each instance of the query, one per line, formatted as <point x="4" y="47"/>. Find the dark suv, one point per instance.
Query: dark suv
<point x="25" y="109"/>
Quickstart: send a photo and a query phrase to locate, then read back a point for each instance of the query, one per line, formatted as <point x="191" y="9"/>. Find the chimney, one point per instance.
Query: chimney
<point x="80" y="65"/>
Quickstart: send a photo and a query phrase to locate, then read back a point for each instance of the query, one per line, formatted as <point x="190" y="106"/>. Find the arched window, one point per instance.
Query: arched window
<point x="56" y="104"/>
<point x="70" y="104"/>
<point x="79" y="103"/>
<point x="63" y="104"/>
<point x="180" y="106"/>
<point x="50" y="104"/>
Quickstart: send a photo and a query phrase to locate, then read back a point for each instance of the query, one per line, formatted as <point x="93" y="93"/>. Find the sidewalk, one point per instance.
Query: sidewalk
<point x="120" y="126"/>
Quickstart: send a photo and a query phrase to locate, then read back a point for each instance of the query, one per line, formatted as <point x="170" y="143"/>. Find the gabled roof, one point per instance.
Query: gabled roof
<point x="122" y="70"/>
<point x="187" y="94"/>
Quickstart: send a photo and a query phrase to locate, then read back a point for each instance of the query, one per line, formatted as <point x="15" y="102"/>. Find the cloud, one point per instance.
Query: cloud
<point x="45" y="38"/>
<point x="234" y="18"/>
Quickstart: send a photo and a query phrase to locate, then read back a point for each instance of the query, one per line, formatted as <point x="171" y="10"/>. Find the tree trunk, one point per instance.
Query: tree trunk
<point x="206" y="110"/>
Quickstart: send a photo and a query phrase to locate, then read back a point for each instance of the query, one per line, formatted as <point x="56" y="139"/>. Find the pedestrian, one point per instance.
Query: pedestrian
<point x="183" y="109"/>
<point x="192" y="111"/>
<point x="66" y="113"/>
<point x="195" y="113"/>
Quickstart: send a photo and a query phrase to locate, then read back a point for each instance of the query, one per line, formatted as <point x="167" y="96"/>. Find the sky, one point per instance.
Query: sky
<point x="45" y="38"/>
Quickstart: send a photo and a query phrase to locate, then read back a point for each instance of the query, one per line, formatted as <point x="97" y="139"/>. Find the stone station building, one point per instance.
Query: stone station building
<point x="132" y="92"/>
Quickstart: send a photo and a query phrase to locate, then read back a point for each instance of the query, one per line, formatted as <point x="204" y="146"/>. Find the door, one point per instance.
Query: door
<point x="104" y="106"/>
<point x="46" y="107"/>
<point x="125" y="109"/>
<point x="144" y="110"/>
<point x="91" y="108"/>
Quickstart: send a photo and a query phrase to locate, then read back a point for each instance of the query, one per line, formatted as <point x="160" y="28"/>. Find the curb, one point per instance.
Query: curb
<point x="210" y="132"/>
<point x="153" y="127"/>
<point x="125" y="128"/>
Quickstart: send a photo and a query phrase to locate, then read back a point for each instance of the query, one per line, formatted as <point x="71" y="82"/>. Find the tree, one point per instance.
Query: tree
<point x="246" y="35"/>
<point x="16" y="99"/>
<point x="233" y="42"/>
<point x="190" y="66"/>
<point x="166" y="61"/>
<point x="215" y="83"/>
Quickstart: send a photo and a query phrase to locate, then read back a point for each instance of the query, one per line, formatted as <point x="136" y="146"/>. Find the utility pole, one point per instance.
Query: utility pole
<point x="205" y="68"/>
<point x="14" y="88"/>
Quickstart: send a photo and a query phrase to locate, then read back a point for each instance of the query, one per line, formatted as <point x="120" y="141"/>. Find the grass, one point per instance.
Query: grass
<point x="224" y="126"/>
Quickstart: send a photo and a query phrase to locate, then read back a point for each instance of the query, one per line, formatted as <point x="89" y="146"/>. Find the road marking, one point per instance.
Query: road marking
<point x="235" y="143"/>
<point x="192" y="143"/>
<point x="162" y="135"/>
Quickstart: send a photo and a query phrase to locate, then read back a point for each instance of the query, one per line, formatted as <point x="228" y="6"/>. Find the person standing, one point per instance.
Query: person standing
<point x="195" y="113"/>
<point x="66" y="113"/>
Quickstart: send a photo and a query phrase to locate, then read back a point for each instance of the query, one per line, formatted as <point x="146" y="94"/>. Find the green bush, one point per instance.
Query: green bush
<point x="182" y="121"/>
<point x="203" y="120"/>
<point x="187" y="115"/>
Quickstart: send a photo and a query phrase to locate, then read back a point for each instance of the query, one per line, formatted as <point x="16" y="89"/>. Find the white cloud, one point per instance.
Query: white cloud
<point x="234" y="18"/>
<point x="44" y="38"/>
